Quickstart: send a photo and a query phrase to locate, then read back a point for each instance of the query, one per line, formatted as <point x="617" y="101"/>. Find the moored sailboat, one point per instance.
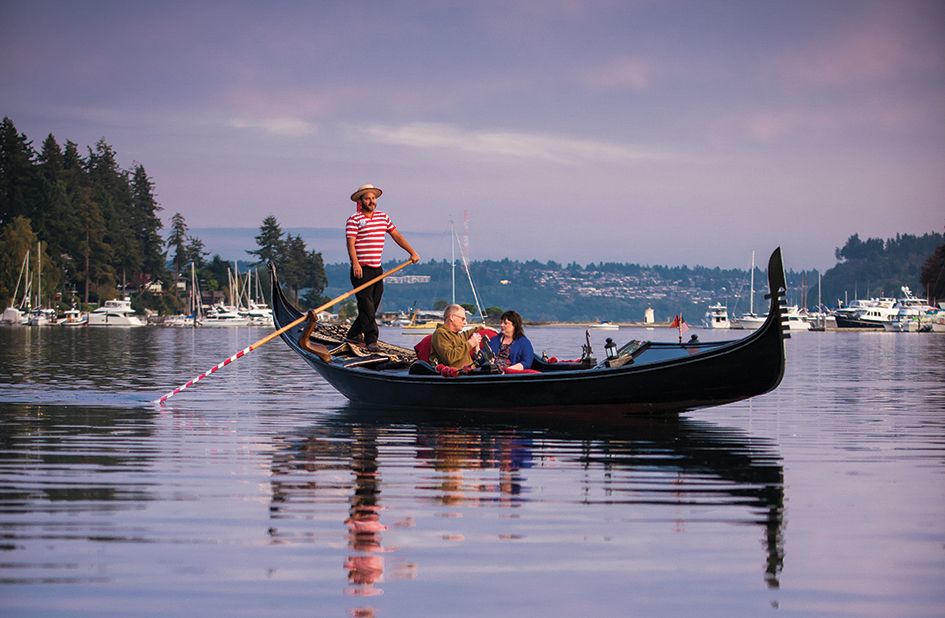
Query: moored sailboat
<point x="749" y="321"/>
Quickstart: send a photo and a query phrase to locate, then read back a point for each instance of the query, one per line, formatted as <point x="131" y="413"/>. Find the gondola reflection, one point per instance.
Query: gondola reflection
<point x="486" y="459"/>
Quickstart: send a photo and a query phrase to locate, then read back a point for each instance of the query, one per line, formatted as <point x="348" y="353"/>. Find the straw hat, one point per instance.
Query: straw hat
<point x="364" y="189"/>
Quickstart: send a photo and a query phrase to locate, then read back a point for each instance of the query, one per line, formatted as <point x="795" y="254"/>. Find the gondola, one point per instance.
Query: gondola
<point x="644" y="377"/>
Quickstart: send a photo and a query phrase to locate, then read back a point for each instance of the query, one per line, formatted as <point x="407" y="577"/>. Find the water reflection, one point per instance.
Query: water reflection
<point x="486" y="461"/>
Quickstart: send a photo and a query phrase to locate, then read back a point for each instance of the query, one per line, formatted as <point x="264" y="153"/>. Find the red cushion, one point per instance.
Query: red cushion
<point x="423" y="348"/>
<point x="447" y="371"/>
<point x="508" y="370"/>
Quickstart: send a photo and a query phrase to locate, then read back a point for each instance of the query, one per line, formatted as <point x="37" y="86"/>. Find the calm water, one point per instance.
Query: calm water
<point x="261" y="491"/>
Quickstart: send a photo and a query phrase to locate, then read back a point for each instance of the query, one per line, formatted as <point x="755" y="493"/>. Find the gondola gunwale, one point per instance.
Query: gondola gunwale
<point x="449" y="392"/>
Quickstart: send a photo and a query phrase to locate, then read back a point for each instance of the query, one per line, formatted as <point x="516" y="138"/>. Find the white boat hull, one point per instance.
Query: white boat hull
<point x="747" y="322"/>
<point x="12" y="317"/>
<point x="224" y="322"/>
<point x="115" y="320"/>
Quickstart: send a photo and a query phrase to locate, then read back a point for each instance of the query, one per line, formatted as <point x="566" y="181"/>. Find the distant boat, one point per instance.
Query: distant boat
<point x="73" y="318"/>
<point x="12" y="316"/>
<point x="914" y="314"/>
<point x="749" y="321"/>
<point x="222" y="316"/>
<point x="871" y="313"/>
<point x="259" y="314"/>
<point x="191" y="320"/>
<point x="795" y="320"/>
<point x="938" y="319"/>
<point x="42" y="317"/>
<point x="606" y="326"/>
<point x="422" y="322"/>
<point x="717" y="317"/>
<point x="15" y="315"/>
<point x="116" y="313"/>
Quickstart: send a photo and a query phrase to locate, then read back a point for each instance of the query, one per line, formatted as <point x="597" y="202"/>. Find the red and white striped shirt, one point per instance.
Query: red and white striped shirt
<point x="369" y="236"/>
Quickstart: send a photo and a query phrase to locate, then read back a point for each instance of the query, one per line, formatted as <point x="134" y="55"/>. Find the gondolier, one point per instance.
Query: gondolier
<point x="365" y="232"/>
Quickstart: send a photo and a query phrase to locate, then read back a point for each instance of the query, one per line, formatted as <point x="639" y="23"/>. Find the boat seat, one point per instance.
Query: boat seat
<point x="544" y="366"/>
<point x="422" y="368"/>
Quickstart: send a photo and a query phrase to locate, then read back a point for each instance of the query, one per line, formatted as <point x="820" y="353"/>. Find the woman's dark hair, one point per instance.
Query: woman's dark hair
<point x="517" y="329"/>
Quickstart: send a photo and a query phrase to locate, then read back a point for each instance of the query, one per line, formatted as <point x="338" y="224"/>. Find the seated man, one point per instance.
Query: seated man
<point x="451" y="347"/>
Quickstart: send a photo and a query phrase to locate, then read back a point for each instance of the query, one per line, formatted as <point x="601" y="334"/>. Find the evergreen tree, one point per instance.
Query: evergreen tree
<point x="293" y="269"/>
<point x="177" y="242"/>
<point x="270" y="242"/>
<point x="316" y="279"/>
<point x="301" y="268"/>
<point x="146" y="224"/>
<point x="933" y="275"/>
<point x="56" y="221"/>
<point x="17" y="174"/>
<point x="878" y="268"/>
<point x="112" y="192"/>
<point x="87" y="242"/>
<point x="195" y="252"/>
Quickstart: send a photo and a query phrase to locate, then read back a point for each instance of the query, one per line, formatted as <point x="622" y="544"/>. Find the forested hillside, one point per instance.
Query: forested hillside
<point x="92" y="232"/>
<point x="877" y="267"/>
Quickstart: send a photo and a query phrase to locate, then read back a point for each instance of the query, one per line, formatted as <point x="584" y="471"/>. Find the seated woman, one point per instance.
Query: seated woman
<point x="512" y="349"/>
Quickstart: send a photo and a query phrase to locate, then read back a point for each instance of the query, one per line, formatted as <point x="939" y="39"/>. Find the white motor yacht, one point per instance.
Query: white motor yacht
<point x="748" y="321"/>
<point x="717" y="317"/>
<point x="259" y="315"/>
<point x="115" y="313"/>
<point x="914" y="314"/>
<point x="795" y="319"/>
<point x="871" y="313"/>
<point x="221" y="316"/>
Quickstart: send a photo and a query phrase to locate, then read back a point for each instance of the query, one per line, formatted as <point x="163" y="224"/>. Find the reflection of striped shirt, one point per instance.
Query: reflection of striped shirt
<point x="369" y="236"/>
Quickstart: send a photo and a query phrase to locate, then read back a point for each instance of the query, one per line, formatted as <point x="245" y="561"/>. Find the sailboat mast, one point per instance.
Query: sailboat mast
<point x="820" y="280"/>
<point x="751" y="298"/>
<point x="39" y="274"/>
<point x="453" y="261"/>
<point x="462" y="255"/>
<point x="195" y="300"/>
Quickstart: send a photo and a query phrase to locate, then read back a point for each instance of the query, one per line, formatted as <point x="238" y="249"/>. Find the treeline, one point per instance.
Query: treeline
<point x="876" y="267"/>
<point x="94" y="231"/>
<point x="865" y="268"/>
<point x="98" y="224"/>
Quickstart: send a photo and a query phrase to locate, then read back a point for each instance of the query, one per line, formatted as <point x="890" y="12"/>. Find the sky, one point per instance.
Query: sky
<point x="654" y="132"/>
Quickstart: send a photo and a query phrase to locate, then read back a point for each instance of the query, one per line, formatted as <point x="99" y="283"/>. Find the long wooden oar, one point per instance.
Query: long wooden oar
<point x="272" y="336"/>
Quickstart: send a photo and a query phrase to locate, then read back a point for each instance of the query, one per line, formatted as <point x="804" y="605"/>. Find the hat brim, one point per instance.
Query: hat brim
<point x="356" y="196"/>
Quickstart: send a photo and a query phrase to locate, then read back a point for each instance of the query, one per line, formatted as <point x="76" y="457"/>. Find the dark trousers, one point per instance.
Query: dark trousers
<point x="369" y="300"/>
